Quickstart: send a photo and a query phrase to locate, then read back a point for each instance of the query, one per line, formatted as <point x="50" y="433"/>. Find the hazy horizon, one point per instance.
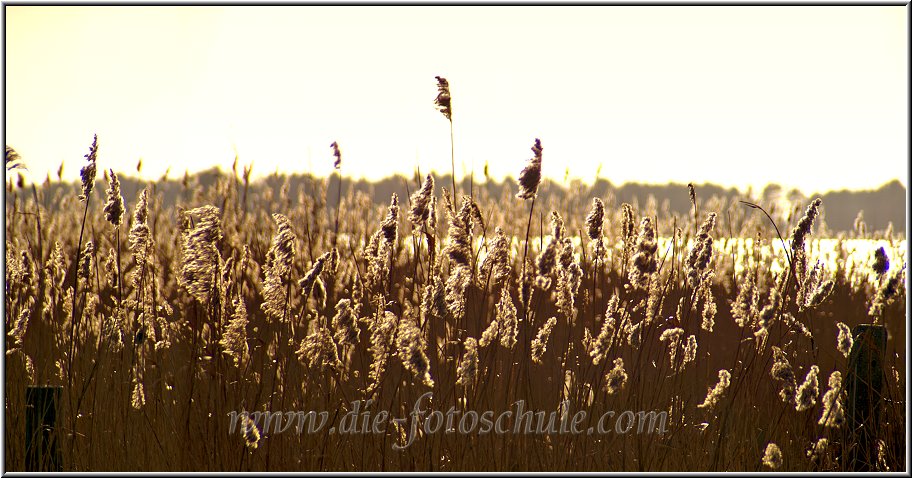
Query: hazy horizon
<point x="441" y="178"/>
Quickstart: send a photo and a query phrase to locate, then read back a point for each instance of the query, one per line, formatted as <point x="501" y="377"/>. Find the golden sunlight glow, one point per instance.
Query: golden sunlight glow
<point x="733" y="95"/>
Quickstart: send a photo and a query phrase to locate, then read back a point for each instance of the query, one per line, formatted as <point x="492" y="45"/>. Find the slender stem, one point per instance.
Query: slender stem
<point x="72" y="346"/>
<point x="76" y="279"/>
<point x="784" y="246"/>
<point x="119" y="272"/>
<point x="338" y="203"/>
<point x="452" y="163"/>
<point x="526" y="251"/>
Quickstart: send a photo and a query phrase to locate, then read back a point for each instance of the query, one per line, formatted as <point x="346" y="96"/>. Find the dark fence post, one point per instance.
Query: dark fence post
<point x="42" y="446"/>
<point x="864" y="389"/>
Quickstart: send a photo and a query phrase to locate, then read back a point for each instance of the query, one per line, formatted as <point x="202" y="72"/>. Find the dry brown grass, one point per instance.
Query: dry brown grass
<point x="172" y="339"/>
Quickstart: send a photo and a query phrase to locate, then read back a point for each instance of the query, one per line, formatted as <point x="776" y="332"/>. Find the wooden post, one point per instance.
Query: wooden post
<point x="864" y="389"/>
<point x="42" y="446"/>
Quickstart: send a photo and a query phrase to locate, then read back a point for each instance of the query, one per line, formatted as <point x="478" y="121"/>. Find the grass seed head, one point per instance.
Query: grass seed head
<point x="808" y="391"/>
<point x="87" y="173"/>
<point x="114" y="206"/>
<point x="467" y="371"/>
<point x="595" y="219"/>
<point x="420" y="200"/>
<point x="530" y="176"/>
<point x="443" y="102"/>
<point x="772" y="456"/>
<point x="540" y="344"/>
<point x="616" y="377"/>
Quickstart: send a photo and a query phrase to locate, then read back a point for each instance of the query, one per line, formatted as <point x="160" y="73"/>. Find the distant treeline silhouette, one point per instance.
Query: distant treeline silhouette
<point x="879" y="207"/>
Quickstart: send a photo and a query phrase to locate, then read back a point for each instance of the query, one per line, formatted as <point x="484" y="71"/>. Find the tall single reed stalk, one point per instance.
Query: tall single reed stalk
<point x="337" y="166"/>
<point x="88" y="184"/>
<point x="529" y="180"/>
<point x="444" y="105"/>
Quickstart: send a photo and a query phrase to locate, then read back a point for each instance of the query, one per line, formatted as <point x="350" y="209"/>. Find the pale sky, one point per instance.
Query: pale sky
<point x="809" y="97"/>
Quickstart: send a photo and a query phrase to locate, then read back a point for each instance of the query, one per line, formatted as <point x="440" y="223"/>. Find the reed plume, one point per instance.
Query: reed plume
<point x="201" y="257"/>
<point x="506" y="318"/>
<point x="530" y="176"/>
<point x="139" y="239"/>
<point x="277" y="270"/>
<point x="881" y="262"/>
<point x="250" y="432"/>
<point x="886" y="292"/>
<point x="13" y="159"/>
<point x="818" y="450"/>
<point x="628" y="226"/>
<point x="411" y="348"/>
<point x="844" y="339"/>
<point x="772" y="456"/>
<point x="490" y="333"/>
<point x="319" y="292"/>
<point x="673" y="337"/>
<point x="55" y="267"/>
<point x="456" y="285"/>
<point x="782" y="371"/>
<point x="85" y="264"/>
<point x="110" y="269"/>
<point x="319" y="351"/>
<point x="17" y="333"/>
<point x="87" y="173"/>
<point x="709" y="302"/>
<point x="467" y="371"/>
<point x="690" y="351"/>
<point x="234" y="340"/>
<point x="595" y="219"/>
<point x="459" y="251"/>
<point x="616" y="377"/>
<point x="547" y="258"/>
<point x="433" y="300"/>
<point x="803" y="227"/>
<point x="540" y="344"/>
<point x="644" y="261"/>
<point x="766" y="315"/>
<point x="599" y="345"/>
<point x="138" y="398"/>
<point x="459" y="241"/>
<point x="701" y="253"/>
<point x="443" y="100"/>
<point x="570" y="276"/>
<point x="833" y="415"/>
<point x="390" y="225"/>
<point x="347" y="333"/>
<point x="337" y="162"/>
<point x="496" y="263"/>
<point x="808" y="391"/>
<point x="309" y="281"/>
<point x="715" y="393"/>
<point x="741" y="307"/>
<point x="420" y="201"/>
<point x="114" y="207"/>
<point x="382" y="330"/>
<point x="819" y="294"/>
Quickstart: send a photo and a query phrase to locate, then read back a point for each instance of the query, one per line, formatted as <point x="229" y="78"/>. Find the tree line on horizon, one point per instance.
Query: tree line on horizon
<point x="844" y="209"/>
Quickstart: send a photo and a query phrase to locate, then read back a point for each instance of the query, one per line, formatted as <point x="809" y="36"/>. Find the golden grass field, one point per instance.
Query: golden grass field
<point x="158" y="322"/>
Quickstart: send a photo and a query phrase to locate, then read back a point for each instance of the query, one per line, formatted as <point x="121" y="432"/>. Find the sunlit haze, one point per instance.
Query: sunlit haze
<point x="809" y="97"/>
